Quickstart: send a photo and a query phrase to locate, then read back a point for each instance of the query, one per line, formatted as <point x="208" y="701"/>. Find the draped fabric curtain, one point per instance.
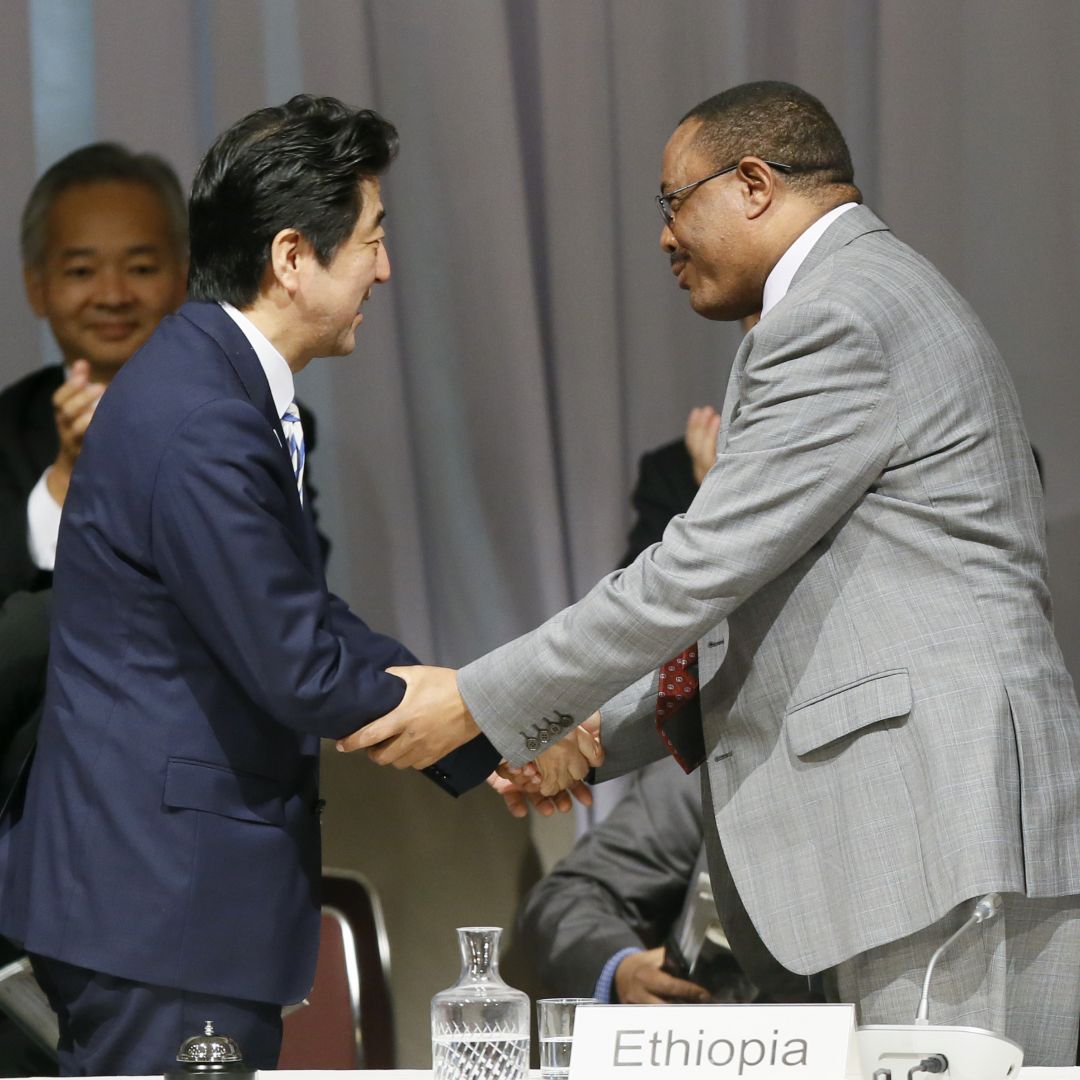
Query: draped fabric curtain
<point x="476" y="452"/>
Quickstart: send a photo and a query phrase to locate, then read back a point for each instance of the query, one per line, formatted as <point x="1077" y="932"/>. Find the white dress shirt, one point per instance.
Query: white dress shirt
<point x="278" y="373"/>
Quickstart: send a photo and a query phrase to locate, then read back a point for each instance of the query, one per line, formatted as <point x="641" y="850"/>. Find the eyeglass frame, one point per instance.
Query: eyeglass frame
<point x="663" y="200"/>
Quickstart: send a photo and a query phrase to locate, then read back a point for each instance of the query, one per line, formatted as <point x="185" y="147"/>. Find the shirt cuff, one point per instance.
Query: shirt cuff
<point x="605" y="985"/>
<point x="42" y="525"/>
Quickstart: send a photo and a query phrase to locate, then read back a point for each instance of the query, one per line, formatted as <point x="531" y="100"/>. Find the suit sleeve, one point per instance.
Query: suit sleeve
<point x="462" y="768"/>
<point x="226" y="539"/>
<point x="622" y="886"/>
<point x="813" y="428"/>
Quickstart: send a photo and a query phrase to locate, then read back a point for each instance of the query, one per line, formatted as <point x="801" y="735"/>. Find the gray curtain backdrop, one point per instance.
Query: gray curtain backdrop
<point x="477" y="451"/>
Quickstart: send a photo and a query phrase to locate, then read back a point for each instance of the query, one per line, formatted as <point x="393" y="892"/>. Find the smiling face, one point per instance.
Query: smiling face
<point x="109" y="274"/>
<point x="332" y="295"/>
<point x="711" y="241"/>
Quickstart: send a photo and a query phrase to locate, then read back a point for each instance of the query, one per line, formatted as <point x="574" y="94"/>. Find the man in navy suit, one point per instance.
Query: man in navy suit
<point x="164" y="868"/>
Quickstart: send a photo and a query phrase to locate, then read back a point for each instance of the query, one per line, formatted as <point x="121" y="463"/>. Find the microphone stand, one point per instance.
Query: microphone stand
<point x="894" y="1051"/>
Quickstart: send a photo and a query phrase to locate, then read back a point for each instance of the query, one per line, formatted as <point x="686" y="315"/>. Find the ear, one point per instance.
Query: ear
<point x="758" y="185"/>
<point x="34" y="281"/>
<point x="288" y="250"/>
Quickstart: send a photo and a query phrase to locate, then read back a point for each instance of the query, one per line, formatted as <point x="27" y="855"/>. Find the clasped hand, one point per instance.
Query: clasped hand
<point x="432" y="720"/>
<point x="549" y="782"/>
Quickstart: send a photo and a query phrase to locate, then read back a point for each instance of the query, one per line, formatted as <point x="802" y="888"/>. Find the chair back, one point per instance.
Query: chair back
<point x="348" y="1021"/>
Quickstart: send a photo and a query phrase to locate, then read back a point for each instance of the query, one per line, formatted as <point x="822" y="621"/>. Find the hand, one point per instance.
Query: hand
<point x="639" y="980"/>
<point x="571" y="758"/>
<point x="73" y="408"/>
<point x="517" y="799"/>
<point x="431" y="721"/>
<point x="702" y="430"/>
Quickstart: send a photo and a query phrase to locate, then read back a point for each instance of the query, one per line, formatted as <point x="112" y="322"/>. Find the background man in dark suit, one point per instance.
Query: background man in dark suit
<point x="596" y="926"/>
<point x="164" y="869"/>
<point x="104" y="252"/>
<point x="668" y="479"/>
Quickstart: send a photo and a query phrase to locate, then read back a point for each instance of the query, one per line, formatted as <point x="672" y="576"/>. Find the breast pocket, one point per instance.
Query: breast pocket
<point x="200" y="785"/>
<point x="844" y="710"/>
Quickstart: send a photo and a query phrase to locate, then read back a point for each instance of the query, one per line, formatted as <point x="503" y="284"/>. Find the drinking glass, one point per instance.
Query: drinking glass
<point x="555" y="1022"/>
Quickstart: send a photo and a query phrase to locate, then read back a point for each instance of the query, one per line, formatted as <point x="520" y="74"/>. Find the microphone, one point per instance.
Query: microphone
<point x="893" y="1051"/>
<point x="985" y="909"/>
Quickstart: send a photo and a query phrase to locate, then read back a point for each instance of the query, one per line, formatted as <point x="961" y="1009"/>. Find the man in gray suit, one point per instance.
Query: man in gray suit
<point x="891" y="731"/>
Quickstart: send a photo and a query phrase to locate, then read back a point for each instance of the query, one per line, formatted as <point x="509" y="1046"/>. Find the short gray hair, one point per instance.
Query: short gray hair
<point x="95" y="164"/>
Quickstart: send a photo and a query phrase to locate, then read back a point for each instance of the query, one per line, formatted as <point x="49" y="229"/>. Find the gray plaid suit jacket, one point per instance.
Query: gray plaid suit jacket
<point x="892" y="729"/>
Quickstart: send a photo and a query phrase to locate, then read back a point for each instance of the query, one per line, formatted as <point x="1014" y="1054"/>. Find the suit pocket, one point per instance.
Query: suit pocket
<point x="198" y="785"/>
<point x="816" y="723"/>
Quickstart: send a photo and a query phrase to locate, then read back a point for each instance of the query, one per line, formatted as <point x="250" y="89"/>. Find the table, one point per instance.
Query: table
<point x="425" y="1074"/>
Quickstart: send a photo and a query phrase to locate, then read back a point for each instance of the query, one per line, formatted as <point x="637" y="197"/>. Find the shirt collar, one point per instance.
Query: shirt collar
<point x="276" y="368"/>
<point x="779" y="280"/>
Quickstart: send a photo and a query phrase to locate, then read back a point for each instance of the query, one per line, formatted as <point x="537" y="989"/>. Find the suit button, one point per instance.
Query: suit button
<point x="531" y="744"/>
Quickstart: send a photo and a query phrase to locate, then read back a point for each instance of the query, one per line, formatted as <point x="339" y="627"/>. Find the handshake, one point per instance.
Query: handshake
<point x="432" y="720"/>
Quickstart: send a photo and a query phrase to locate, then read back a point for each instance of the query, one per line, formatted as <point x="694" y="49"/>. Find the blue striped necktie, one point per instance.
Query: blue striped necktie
<point x="294" y="435"/>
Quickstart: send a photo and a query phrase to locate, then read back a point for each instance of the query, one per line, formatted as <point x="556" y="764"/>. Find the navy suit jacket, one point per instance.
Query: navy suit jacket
<point x="170" y="828"/>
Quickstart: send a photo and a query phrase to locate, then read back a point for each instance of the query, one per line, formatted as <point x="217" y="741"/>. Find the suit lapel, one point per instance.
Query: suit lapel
<point x="211" y="319"/>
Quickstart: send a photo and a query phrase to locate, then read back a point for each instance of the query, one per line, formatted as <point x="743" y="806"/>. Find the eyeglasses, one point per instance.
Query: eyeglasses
<point x="663" y="201"/>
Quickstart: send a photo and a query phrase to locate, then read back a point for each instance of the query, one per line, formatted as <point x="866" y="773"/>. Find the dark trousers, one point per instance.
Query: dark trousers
<point x="111" y="1026"/>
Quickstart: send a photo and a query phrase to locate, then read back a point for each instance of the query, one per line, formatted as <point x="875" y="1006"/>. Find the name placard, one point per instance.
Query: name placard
<point x="681" y="1042"/>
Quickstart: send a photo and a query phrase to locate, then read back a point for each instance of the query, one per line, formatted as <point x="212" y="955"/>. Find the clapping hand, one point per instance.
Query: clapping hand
<point x="73" y="408"/>
<point x="702" y="430"/>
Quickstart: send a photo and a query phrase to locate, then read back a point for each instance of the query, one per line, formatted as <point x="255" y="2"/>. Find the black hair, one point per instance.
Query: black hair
<point x="297" y="165"/>
<point x="99" y="163"/>
<point x="778" y="122"/>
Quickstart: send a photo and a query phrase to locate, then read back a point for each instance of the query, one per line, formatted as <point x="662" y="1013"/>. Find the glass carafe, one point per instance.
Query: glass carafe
<point x="480" y="1026"/>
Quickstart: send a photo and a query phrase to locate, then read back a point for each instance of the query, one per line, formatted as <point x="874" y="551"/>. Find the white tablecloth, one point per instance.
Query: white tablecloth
<point x="425" y="1074"/>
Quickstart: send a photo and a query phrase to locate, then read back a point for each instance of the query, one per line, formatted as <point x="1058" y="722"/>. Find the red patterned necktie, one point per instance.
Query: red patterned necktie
<point x="678" y="687"/>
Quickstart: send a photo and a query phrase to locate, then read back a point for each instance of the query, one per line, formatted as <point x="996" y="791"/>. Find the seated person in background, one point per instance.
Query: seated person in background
<point x="596" y="925"/>
<point x="668" y="479"/>
<point x="669" y="476"/>
<point x="104" y="253"/>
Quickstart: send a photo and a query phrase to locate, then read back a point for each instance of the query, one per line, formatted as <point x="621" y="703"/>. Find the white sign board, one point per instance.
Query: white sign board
<point x="682" y="1042"/>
